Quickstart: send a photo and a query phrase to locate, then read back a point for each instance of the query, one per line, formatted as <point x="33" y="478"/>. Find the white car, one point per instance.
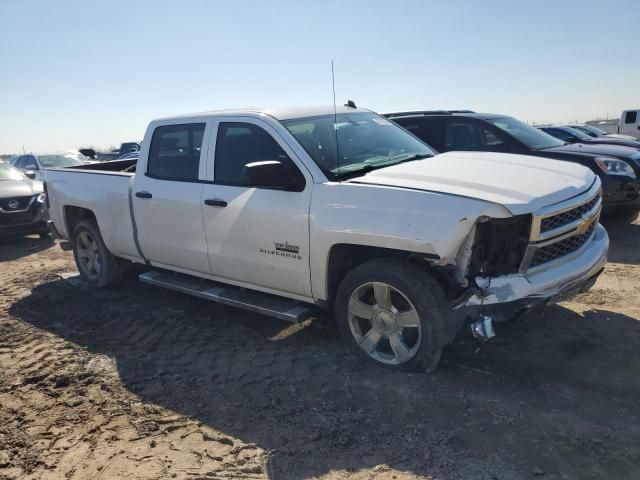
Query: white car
<point x="283" y="211"/>
<point x="34" y="166"/>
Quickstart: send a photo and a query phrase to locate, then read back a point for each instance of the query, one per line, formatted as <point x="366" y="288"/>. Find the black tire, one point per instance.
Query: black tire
<point x="110" y="271"/>
<point x="425" y="295"/>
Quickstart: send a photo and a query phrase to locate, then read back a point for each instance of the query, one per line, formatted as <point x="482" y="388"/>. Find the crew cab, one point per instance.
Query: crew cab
<point x="463" y="130"/>
<point x="285" y="211"/>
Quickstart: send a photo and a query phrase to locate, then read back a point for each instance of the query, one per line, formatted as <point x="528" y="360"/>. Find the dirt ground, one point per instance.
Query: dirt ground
<point x="137" y="382"/>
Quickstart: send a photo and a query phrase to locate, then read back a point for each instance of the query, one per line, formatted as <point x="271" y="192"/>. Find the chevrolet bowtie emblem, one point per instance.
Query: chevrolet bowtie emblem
<point x="13" y="204"/>
<point x="584" y="226"/>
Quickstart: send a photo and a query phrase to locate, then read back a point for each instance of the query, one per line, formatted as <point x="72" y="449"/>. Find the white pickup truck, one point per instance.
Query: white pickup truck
<point x="281" y="211"/>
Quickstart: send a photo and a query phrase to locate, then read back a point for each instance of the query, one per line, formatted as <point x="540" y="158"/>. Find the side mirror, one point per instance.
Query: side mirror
<point x="30" y="174"/>
<point x="271" y="174"/>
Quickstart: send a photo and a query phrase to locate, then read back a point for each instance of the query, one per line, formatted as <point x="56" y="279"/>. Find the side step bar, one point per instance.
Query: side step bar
<point x="216" y="292"/>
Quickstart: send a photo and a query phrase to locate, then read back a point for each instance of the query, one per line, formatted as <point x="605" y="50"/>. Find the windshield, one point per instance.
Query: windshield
<point x="577" y="133"/>
<point x="61" y="160"/>
<point x="531" y="137"/>
<point x="365" y="141"/>
<point x="8" y="172"/>
<point x="590" y="128"/>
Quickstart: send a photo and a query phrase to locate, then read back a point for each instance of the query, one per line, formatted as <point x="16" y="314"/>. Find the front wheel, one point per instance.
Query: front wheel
<point x="96" y="264"/>
<point x="393" y="314"/>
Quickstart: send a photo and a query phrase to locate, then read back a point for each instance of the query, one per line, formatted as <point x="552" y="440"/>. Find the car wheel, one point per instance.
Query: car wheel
<point x="96" y="264"/>
<point x="393" y="314"/>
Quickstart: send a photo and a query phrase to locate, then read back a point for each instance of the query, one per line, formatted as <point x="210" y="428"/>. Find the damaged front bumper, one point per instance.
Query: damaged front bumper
<point x="506" y="295"/>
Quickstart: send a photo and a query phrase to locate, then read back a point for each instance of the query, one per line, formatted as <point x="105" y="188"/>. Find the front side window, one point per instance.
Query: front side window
<point x="530" y="136"/>
<point x="239" y="144"/>
<point x="353" y="143"/>
<point x="175" y="152"/>
<point x="631" y="117"/>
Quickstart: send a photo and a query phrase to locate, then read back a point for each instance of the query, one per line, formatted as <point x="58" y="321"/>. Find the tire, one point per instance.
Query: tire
<point x="97" y="266"/>
<point x="364" y="313"/>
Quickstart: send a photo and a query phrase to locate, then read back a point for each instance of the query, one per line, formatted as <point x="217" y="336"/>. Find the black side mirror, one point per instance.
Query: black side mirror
<point x="30" y="174"/>
<point x="271" y="174"/>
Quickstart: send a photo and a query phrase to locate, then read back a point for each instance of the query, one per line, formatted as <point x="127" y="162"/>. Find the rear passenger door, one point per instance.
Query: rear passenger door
<point x="631" y="123"/>
<point x="167" y="194"/>
<point x="256" y="236"/>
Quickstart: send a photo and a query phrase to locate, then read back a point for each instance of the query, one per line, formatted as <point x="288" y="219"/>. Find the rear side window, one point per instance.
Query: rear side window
<point x="238" y="144"/>
<point x="175" y="152"/>
<point x="631" y="117"/>
<point x="468" y="136"/>
<point x="429" y="130"/>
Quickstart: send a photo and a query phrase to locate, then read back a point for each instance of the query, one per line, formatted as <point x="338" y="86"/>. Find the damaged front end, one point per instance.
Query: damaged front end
<point x="508" y="265"/>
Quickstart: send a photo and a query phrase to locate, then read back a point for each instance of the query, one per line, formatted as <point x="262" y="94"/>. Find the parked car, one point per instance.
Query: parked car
<point x="281" y="211"/>
<point x="35" y="166"/>
<point x="596" y="132"/>
<point x="574" y="135"/>
<point x="129" y="147"/>
<point x="22" y="210"/>
<point x="618" y="167"/>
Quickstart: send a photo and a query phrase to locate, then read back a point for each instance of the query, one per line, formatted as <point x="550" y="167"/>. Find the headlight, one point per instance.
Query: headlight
<point x="611" y="166"/>
<point x="42" y="197"/>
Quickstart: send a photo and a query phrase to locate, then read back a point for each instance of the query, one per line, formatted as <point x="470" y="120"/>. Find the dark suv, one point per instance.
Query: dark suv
<point x="618" y="167"/>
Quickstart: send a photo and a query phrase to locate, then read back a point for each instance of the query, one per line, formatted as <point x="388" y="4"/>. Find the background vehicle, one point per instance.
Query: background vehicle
<point x="404" y="246"/>
<point x="34" y="166"/>
<point x="574" y="135"/>
<point x="22" y="209"/>
<point x="618" y="167"/>
<point x="596" y="132"/>
<point x="627" y="124"/>
<point x="630" y="123"/>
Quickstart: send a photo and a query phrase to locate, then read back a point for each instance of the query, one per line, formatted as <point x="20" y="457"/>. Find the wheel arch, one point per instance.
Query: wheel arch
<point x="344" y="257"/>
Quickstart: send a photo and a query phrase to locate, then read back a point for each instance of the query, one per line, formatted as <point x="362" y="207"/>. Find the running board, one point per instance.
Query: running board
<point x="235" y="297"/>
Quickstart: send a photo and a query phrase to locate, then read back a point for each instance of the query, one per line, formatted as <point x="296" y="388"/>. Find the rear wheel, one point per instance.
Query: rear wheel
<point x="96" y="264"/>
<point x="392" y="314"/>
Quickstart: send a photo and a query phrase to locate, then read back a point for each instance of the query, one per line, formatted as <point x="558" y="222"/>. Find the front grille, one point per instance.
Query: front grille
<point x="23" y="202"/>
<point x="561" y="248"/>
<point x="565" y="218"/>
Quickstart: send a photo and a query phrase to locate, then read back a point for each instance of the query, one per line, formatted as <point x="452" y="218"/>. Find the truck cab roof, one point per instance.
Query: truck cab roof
<point x="280" y="113"/>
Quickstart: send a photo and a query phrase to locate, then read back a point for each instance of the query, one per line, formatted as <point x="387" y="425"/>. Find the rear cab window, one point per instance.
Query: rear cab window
<point x="175" y="152"/>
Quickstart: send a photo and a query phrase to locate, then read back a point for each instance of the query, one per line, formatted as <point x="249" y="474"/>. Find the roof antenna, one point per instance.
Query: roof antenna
<point x="335" y="114"/>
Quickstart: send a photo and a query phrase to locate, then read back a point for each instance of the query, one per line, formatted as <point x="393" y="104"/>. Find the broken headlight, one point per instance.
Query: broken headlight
<point x="499" y="245"/>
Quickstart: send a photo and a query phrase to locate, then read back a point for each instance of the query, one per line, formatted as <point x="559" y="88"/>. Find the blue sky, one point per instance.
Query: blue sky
<point x="77" y="73"/>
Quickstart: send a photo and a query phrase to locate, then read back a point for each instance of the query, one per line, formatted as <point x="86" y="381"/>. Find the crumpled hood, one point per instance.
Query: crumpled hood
<point x="521" y="183"/>
<point x="19" y="188"/>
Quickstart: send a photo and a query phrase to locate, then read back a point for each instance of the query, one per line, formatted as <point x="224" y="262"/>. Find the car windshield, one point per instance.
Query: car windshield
<point x="365" y="141"/>
<point x="577" y="133"/>
<point x="8" y="172"/>
<point x="531" y="137"/>
<point x="590" y="128"/>
<point x="60" y="160"/>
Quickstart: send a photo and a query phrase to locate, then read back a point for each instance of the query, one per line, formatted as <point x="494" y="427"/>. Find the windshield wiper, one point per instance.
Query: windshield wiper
<point x="375" y="166"/>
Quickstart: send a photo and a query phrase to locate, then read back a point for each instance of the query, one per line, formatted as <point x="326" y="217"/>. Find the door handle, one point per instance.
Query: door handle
<point x="215" y="202"/>
<point x="143" y="194"/>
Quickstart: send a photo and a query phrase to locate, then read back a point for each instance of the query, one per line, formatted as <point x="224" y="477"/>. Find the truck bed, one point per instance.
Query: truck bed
<point x="103" y="189"/>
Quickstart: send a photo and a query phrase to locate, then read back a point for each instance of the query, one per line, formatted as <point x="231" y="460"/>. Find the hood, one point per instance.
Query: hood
<point x="615" y="141"/>
<point x="624" y="137"/>
<point x="521" y="183"/>
<point x="19" y="188"/>
<point x="616" y="151"/>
